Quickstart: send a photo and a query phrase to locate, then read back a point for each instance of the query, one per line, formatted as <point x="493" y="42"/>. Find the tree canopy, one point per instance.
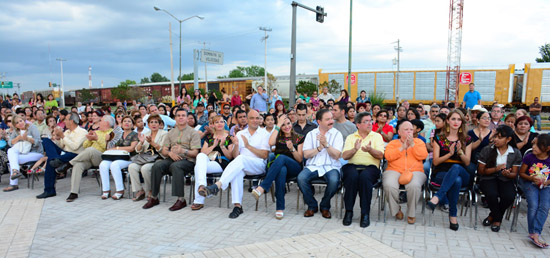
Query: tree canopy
<point x="157" y="77"/>
<point x="306" y="87"/>
<point x="125" y="92"/>
<point x="86" y="95"/>
<point x="249" y="71"/>
<point x="186" y="77"/>
<point x="333" y="87"/>
<point x="544" y="51"/>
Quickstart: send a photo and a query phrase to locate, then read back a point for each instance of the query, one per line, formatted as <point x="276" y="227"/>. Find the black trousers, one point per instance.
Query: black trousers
<point x="178" y="170"/>
<point x="499" y="195"/>
<point x="359" y="179"/>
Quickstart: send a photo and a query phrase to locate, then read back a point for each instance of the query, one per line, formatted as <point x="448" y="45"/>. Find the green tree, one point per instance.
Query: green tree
<point x="306" y="87"/>
<point x="333" y="87"/>
<point x="271" y="82"/>
<point x="125" y="92"/>
<point x="86" y="95"/>
<point x="249" y="71"/>
<point x="145" y="80"/>
<point x="187" y="77"/>
<point x="544" y="51"/>
<point x="236" y="73"/>
<point x="157" y="77"/>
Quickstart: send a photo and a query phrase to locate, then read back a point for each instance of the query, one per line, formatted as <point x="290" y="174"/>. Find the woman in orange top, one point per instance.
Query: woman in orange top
<point x="405" y="167"/>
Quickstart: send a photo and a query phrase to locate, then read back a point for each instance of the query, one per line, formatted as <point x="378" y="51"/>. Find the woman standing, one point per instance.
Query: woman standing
<point x="39" y="100"/>
<point x="382" y="127"/>
<point x="184" y="96"/>
<point x="149" y="143"/>
<point x="287" y="164"/>
<point x="24" y="134"/>
<point x="51" y="102"/>
<point x="524" y="137"/>
<point x="213" y="99"/>
<point x="215" y="155"/>
<point x="498" y="167"/>
<point x="314" y="100"/>
<point x="451" y="155"/>
<point x="279" y="108"/>
<point x="128" y="143"/>
<point x="534" y="174"/>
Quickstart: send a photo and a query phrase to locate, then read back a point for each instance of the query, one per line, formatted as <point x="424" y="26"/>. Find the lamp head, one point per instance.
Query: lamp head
<point x="200" y="17"/>
<point x="156" y="8"/>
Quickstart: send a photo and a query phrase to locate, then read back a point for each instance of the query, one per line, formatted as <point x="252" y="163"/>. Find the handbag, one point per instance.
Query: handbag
<point x="3" y="144"/>
<point x="144" y="158"/>
<point x="23" y="147"/>
<point x="214" y="155"/>
<point x="113" y="155"/>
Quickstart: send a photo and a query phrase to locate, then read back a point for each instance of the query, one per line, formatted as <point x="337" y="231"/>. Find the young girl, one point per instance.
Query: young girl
<point x="534" y="174"/>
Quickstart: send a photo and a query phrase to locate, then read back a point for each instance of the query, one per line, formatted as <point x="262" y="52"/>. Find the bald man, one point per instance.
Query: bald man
<point x="405" y="167"/>
<point x="251" y="151"/>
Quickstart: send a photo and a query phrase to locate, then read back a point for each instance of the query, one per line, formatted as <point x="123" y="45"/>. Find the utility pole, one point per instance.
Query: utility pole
<point x="396" y="61"/>
<point x="171" y="67"/>
<point x="320" y="17"/>
<point x="349" y="51"/>
<point x="265" y="54"/>
<point x="195" y="69"/>
<point x="205" y="75"/>
<point x="62" y="93"/>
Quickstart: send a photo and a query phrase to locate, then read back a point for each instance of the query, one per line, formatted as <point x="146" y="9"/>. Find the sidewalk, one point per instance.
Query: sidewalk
<point x="91" y="227"/>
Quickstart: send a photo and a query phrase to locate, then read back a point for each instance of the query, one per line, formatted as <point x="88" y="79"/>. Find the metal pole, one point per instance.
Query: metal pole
<point x="205" y="75"/>
<point x="62" y="93"/>
<point x="195" y="69"/>
<point x="292" y="93"/>
<point x="349" y="53"/>
<point x="179" y="77"/>
<point x="265" y="55"/>
<point x="397" y="75"/>
<point x="171" y="66"/>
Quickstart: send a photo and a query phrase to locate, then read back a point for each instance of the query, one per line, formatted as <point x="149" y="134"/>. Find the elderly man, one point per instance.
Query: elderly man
<point x="259" y="101"/>
<point x="251" y="151"/>
<point x="69" y="143"/>
<point x="363" y="149"/>
<point x="322" y="149"/>
<point x="496" y="117"/>
<point x="325" y="96"/>
<point x="94" y="145"/>
<point x="181" y="146"/>
<point x="405" y="156"/>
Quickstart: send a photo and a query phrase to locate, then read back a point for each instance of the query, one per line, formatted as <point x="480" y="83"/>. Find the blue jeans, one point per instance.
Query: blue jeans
<point x="332" y="179"/>
<point x="538" y="203"/>
<point x="53" y="152"/>
<point x="451" y="182"/>
<point x="537" y="119"/>
<point x="280" y="169"/>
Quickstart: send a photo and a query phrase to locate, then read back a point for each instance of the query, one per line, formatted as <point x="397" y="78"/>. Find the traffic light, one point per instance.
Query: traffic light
<point x="50" y="84"/>
<point x="320" y="14"/>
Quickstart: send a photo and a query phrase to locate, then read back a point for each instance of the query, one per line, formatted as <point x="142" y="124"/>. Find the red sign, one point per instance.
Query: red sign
<point x="465" y="78"/>
<point x="353" y="79"/>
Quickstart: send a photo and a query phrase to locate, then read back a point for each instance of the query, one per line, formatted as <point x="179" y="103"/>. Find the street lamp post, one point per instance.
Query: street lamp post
<point x="61" y="60"/>
<point x="180" y="21"/>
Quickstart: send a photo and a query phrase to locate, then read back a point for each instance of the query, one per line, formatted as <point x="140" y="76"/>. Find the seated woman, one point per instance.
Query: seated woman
<point x="23" y="134"/>
<point x="405" y="167"/>
<point x="215" y="155"/>
<point x="127" y="142"/>
<point x="287" y="164"/>
<point x="534" y="175"/>
<point x="149" y="142"/>
<point x="498" y="166"/>
<point x="524" y="137"/>
<point x="481" y="138"/>
<point x="382" y="127"/>
<point x="451" y="153"/>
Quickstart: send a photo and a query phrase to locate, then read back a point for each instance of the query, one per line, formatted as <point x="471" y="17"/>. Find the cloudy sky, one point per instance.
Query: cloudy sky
<point x="130" y="40"/>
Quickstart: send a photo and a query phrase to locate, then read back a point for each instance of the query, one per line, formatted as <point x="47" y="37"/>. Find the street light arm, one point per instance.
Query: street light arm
<point x="180" y="21"/>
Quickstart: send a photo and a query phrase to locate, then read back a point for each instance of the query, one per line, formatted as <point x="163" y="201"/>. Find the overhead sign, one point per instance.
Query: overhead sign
<point x="213" y="57"/>
<point x="7" y="85"/>
<point x="353" y="79"/>
<point x="465" y="78"/>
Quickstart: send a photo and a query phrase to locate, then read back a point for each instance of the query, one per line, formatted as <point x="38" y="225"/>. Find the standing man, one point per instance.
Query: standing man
<point x="471" y="98"/>
<point x="149" y="100"/>
<point x="259" y="101"/>
<point x="363" y="149"/>
<point x="322" y="149"/>
<point x="236" y="99"/>
<point x="302" y="126"/>
<point x="325" y="96"/>
<point x="362" y="97"/>
<point x="181" y="146"/>
<point x="534" y="112"/>
<point x="274" y="97"/>
<point x="341" y="124"/>
<point x="251" y="151"/>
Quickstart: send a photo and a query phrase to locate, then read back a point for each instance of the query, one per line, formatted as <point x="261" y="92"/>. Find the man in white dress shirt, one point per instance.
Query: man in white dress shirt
<point x="251" y="150"/>
<point x="322" y="149"/>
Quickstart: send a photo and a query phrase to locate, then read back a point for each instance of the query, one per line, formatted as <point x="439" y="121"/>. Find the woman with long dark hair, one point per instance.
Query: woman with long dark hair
<point x="184" y="96"/>
<point x="498" y="167"/>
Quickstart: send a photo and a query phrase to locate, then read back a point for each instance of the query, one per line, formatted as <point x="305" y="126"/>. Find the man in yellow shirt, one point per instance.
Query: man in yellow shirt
<point x="363" y="150"/>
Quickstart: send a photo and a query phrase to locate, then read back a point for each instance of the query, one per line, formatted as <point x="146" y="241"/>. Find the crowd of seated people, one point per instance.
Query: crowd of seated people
<point x="342" y="144"/>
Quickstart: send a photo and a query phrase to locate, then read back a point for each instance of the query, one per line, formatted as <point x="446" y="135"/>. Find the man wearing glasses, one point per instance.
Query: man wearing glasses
<point x="496" y="117"/>
<point x="363" y="150"/>
<point x="226" y="114"/>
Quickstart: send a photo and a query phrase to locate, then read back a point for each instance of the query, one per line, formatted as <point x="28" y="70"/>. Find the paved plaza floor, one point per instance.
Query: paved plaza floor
<point x="91" y="227"/>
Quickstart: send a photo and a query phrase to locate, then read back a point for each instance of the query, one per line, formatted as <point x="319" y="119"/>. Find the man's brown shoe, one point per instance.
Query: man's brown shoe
<point x="326" y="214"/>
<point x="152" y="202"/>
<point x="196" y="206"/>
<point x="399" y="215"/>
<point x="178" y="205"/>
<point x="310" y="213"/>
<point x="411" y="220"/>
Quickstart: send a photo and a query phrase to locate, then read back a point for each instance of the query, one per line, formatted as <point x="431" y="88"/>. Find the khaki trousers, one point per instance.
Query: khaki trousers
<point x="414" y="191"/>
<point x="145" y="170"/>
<point x="90" y="157"/>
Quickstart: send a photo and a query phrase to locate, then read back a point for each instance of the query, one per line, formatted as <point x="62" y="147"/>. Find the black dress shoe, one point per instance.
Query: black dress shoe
<point x="236" y="212"/>
<point x="63" y="168"/>
<point x="45" y="195"/>
<point x="453" y="226"/>
<point x="495" y="228"/>
<point x="486" y="222"/>
<point x="347" y="218"/>
<point x="365" y="221"/>
<point x="55" y="163"/>
<point x="431" y="205"/>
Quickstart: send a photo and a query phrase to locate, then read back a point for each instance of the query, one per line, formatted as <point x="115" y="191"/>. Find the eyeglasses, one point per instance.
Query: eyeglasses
<point x="367" y="122"/>
<point x="226" y="108"/>
<point x="8" y="121"/>
<point x="382" y="116"/>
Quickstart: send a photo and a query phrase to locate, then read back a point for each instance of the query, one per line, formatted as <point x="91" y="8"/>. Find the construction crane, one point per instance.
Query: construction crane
<point x="453" y="50"/>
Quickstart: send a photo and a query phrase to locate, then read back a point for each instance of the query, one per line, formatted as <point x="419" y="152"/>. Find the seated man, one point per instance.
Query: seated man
<point x="95" y="144"/>
<point x="363" y="150"/>
<point x="251" y="150"/>
<point x="405" y="157"/>
<point x="181" y="146"/>
<point x="69" y="142"/>
<point x="322" y="149"/>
